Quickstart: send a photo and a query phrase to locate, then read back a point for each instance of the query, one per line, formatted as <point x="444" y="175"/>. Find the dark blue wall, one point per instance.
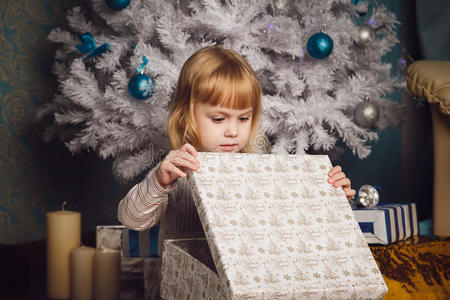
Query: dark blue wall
<point x="36" y="177"/>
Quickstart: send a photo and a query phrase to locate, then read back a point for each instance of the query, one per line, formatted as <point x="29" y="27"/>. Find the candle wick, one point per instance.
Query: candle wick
<point x="63" y="204"/>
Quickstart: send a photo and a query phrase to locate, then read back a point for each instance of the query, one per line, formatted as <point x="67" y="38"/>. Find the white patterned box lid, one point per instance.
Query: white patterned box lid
<point x="278" y="230"/>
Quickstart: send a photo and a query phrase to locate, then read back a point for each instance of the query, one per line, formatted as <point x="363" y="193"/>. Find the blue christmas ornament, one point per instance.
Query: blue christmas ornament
<point x="117" y="4"/>
<point x="140" y="85"/>
<point x="320" y="45"/>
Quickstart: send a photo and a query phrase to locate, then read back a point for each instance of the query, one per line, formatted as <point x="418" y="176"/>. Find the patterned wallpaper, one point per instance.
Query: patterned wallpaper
<point x="35" y="177"/>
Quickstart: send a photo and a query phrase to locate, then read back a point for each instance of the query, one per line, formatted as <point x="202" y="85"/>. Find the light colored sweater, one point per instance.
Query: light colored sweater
<point x="147" y="203"/>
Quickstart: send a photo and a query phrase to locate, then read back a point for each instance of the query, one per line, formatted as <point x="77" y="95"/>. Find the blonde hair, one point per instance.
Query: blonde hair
<point x="216" y="76"/>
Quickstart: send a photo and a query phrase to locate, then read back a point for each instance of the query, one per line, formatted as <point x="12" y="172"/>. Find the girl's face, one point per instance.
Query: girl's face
<point x="219" y="126"/>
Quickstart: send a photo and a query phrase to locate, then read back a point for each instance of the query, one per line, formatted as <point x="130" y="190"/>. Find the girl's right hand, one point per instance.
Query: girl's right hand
<point x="175" y="164"/>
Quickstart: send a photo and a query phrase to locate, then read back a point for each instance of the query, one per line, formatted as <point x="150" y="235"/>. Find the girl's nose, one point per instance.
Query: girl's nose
<point x="232" y="129"/>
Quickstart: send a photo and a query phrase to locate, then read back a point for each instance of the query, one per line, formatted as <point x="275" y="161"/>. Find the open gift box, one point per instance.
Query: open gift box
<point x="275" y="229"/>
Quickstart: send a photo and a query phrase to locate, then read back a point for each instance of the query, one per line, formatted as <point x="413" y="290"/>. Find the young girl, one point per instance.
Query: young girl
<point x="216" y="108"/>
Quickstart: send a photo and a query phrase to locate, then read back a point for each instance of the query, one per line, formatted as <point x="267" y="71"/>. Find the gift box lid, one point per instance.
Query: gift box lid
<point x="276" y="228"/>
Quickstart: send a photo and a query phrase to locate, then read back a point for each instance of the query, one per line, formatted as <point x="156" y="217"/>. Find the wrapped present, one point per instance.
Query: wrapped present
<point x="108" y="236"/>
<point x="275" y="229"/>
<point x="409" y="218"/>
<point x="387" y="223"/>
<point x="414" y="219"/>
<point x="140" y="243"/>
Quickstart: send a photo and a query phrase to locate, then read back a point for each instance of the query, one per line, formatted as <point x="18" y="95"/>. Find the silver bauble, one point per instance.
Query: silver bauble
<point x="366" y="114"/>
<point x="367" y="196"/>
<point x="366" y="35"/>
<point x="281" y="6"/>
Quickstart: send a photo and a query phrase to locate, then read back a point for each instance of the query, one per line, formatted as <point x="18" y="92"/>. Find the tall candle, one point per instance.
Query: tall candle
<point x="63" y="235"/>
<point x="106" y="274"/>
<point x="81" y="273"/>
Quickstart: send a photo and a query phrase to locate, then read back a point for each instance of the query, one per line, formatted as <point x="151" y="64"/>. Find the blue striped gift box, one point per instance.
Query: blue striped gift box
<point x="140" y="243"/>
<point x="408" y="213"/>
<point x="414" y="219"/>
<point x="387" y="223"/>
<point x="399" y="219"/>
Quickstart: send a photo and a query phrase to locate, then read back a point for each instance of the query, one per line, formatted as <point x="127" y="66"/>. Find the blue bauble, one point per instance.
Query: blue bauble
<point x="140" y="87"/>
<point x="320" y="45"/>
<point x="356" y="1"/>
<point x="117" y="4"/>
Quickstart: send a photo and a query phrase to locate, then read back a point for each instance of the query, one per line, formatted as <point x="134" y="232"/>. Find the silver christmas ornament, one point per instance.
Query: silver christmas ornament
<point x="280" y="6"/>
<point x="366" y="35"/>
<point x="367" y="196"/>
<point x="366" y="114"/>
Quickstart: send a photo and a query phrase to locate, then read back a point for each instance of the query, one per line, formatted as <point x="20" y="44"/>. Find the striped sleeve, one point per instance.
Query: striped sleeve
<point x="144" y="203"/>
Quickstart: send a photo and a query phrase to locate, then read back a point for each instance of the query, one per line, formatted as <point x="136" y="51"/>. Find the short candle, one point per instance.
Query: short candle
<point x="81" y="273"/>
<point x="107" y="274"/>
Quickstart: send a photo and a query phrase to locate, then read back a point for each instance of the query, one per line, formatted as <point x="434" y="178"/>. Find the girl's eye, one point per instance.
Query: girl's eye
<point x="221" y="119"/>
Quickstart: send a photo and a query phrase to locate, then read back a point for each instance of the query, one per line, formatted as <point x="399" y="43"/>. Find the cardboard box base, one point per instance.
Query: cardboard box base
<point x="188" y="269"/>
<point x="152" y="277"/>
<point x="188" y="272"/>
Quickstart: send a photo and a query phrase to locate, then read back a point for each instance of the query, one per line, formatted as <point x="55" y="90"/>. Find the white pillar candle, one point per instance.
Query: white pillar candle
<point x="107" y="274"/>
<point x="63" y="235"/>
<point x="81" y="273"/>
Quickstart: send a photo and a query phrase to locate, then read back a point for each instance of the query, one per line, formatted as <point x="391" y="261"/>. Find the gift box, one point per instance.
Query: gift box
<point x="388" y="223"/>
<point x="140" y="243"/>
<point x="409" y="218"/>
<point x="275" y="229"/>
<point x="108" y="236"/>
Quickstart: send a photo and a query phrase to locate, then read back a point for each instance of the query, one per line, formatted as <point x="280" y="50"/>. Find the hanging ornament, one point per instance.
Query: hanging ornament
<point x="320" y="45"/>
<point x="367" y="196"/>
<point x="366" y="35"/>
<point x="280" y="6"/>
<point x="90" y="46"/>
<point x="117" y="4"/>
<point x="141" y="85"/>
<point x="366" y="114"/>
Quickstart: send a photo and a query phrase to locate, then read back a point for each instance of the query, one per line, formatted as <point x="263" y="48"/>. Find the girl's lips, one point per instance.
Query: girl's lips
<point x="227" y="147"/>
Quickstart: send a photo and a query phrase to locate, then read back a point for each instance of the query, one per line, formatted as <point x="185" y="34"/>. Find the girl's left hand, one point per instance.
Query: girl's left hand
<point x="337" y="179"/>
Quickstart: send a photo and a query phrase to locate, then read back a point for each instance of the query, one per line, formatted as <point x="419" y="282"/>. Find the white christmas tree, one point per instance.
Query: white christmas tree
<point x="319" y="65"/>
